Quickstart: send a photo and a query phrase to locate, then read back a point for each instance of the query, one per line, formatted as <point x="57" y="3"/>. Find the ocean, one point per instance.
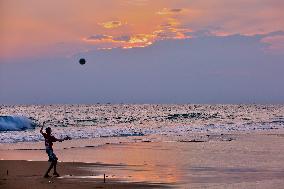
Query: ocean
<point x="21" y="123"/>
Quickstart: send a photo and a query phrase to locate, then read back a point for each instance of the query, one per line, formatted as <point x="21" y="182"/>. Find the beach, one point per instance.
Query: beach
<point x="27" y="175"/>
<point x="237" y="160"/>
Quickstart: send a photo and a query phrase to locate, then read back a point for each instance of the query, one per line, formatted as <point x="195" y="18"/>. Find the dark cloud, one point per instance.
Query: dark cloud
<point x="166" y="34"/>
<point x="172" y="11"/>
<point x="272" y="34"/>
<point x="98" y="37"/>
<point x="124" y="38"/>
<point x="112" y="24"/>
<point x="176" y="10"/>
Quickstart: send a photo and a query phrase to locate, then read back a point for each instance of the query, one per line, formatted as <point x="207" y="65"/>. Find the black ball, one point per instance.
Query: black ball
<point x="82" y="61"/>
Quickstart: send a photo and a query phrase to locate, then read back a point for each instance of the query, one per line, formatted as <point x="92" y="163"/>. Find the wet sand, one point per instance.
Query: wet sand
<point x="254" y="160"/>
<point x="28" y="175"/>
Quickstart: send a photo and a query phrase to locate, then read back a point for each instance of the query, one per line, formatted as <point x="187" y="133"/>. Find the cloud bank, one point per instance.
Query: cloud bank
<point x="208" y="69"/>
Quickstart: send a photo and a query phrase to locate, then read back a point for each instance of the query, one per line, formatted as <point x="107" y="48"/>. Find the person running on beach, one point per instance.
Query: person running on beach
<point x="49" y="139"/>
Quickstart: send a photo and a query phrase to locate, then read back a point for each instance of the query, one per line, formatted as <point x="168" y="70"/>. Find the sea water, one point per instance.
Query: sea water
<point x="21" y="123"/>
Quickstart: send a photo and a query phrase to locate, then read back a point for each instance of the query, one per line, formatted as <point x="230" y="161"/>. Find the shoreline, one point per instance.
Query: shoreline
<point x="102" y="141"/>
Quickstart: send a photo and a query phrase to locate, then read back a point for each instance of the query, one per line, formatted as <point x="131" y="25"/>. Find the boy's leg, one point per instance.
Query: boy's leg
<point x="53" y="159"/>
<point x="54" y="169"/>
<point x="48" y="170"/>
<point x="54" y="164"/>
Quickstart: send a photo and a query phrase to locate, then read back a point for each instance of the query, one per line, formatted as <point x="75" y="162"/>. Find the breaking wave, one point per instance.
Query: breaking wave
<point x="15" y="123"/>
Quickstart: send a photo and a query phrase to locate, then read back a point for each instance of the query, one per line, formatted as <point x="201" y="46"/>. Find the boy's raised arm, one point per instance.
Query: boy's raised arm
<point x="41" y="128"/>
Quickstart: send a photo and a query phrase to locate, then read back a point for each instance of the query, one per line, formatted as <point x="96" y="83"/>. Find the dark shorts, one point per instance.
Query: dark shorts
<point x="51" y="156"/>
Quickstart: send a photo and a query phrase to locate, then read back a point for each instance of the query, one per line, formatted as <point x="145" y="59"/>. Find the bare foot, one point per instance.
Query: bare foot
<point x="46" y="176"/>
<point x="56" y="174"/>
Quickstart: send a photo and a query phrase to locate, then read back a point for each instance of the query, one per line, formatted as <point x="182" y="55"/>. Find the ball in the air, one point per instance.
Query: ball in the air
<point x="82" y="61"/>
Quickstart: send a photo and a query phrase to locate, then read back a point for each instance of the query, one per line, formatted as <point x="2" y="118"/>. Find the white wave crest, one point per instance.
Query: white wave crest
<point x="15" y="123"/>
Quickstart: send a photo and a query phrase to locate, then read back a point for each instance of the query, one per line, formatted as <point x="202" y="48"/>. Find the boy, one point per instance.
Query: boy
<point x="49" y="139"/>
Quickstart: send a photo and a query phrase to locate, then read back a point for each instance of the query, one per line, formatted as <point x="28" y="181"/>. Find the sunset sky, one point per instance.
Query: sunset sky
<point x="142" y="51"/>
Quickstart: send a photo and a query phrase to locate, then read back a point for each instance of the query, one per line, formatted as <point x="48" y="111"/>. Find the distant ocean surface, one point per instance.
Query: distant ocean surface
<point x="20" y="123"/>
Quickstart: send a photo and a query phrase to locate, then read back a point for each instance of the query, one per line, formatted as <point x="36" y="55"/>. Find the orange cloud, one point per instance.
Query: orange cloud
<point x="111" y="24"/>
<point x="125" y="41"/>
<point x="166" y="11"/>
<point x="170" y="29"/>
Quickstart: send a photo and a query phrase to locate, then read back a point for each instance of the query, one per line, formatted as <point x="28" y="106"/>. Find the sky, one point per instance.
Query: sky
<point x="141" y="51"/>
